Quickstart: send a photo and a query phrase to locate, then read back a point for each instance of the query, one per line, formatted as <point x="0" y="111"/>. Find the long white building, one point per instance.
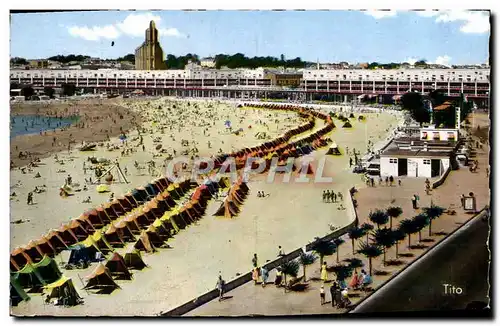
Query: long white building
<point x="474" y="83"/>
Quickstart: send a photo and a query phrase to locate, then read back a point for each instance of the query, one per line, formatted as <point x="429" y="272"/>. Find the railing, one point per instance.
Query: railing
<point x="442" y="178"/>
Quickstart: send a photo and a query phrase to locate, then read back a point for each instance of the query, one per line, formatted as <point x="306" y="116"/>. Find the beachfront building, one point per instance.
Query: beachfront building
<point x="207" y="62"/>
<point x="355" y="84"/>
<point x="149" y="56"/>
<point x="427" y="155"/>
<point x="348" y="84"/>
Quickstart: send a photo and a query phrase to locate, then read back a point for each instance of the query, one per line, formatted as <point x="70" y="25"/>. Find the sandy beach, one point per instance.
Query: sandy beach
<point x="291" y="216"/>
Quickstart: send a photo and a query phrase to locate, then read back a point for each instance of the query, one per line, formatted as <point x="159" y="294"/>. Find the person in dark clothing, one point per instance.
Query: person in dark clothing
<point x="254" y="260"/>
<point x="333" y="292"/>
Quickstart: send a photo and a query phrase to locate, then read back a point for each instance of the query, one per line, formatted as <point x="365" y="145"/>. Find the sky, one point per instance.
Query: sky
<point x="444" y="37"/>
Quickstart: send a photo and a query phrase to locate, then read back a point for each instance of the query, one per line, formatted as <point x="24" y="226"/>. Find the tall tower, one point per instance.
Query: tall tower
<point x="149" y="56"/>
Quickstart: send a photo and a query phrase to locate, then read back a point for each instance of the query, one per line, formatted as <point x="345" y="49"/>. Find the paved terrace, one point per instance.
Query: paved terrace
<point x="256" y="300"/>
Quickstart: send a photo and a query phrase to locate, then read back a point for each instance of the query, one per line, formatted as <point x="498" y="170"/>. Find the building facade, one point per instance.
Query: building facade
<point x="474" y="83"/>
<point x="149" y="56"/>
<point x="314" y="84"/>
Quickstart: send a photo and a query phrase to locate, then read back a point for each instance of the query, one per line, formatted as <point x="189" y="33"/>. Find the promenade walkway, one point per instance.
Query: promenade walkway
<point x="250" y="299"/>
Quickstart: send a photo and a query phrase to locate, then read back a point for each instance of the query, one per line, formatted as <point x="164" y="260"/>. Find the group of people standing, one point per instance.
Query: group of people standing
<point x="339" y="290"/>
<point x="329" y="196"/>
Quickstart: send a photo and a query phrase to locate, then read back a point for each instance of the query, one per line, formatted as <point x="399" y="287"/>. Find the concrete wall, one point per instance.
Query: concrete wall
<point x="443" y="177"/>
<point x="387" y="169"/>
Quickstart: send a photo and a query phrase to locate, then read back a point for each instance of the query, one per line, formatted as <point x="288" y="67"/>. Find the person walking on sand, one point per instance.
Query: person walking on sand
<point x="399" y="182"/>
<point x="281" y="253"/>
<point x="327" y="195"/>
<point x="324" y="273"/>
<point x="386" y="181"/>
<point x="254" y="261"/>
<point x="372" y="181"/>
<point x="220" y="286"/>
<point x="30" y="198"/>
<point x="391" y="180"/>
<point x="322" y="294"/>
<point x="324" y="196"/>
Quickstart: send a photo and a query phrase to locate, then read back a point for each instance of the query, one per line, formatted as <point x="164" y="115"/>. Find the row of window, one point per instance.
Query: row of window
<point x="395" y="160"/>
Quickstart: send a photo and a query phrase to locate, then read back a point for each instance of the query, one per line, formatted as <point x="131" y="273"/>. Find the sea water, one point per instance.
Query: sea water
<point x="34" y="124"/>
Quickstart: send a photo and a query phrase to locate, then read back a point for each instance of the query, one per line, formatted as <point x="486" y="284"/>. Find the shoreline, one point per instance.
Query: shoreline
<point x="96" y="122"/>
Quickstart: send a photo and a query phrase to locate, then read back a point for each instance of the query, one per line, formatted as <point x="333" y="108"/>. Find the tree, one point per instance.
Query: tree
<point x="370" y="252"/>
<point x="355" y="263"/>
<point x="378" y="217"/>
<point x="306" y="259"/>
<point x="354" y="234"/>
<point x="398" y="235"/>
<point x="408" y="226"/>
<point x="367" y="228"/>
<point x="323" y="248"/>
<point x="420" y="63"/>
<point x="68" y="89"/>
<point x="420" y="221"/>
<point x="338" y="242"/>
<point x="27" y="91"/>
<point x="384" y="239"/>
<point x="341" y="272"/>
<point x="129" y="58"/>
<point x="437" y="97"/>
<point x="289" y="267"/>
<point x="413" y="102"/>
<point x="432" y="212"/>
<point x="393" y="212"/>
<point x="18" y="61"/>
<point x="49" y="91"/>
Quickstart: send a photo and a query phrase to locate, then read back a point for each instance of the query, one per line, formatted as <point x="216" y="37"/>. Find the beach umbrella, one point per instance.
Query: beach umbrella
<point x="122" y="137"/>
<point x="102" y="188"/>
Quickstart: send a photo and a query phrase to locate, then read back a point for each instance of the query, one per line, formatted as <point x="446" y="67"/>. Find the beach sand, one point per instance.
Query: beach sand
<point x="291" y="216"/>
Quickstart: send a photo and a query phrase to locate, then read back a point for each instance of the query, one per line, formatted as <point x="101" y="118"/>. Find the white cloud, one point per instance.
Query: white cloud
<point x="94" y="33"/>
<point x="443" y="60"/>
<point x="170" y="32"/>
<point x="134" y="25"/>
<point x="473" y="22"/>
<point x="379" y="14"/>
<point x="427" y="13"/>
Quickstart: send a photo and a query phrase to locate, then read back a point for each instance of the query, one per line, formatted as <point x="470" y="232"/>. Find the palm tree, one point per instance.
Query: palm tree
<point x="398" y="235"/>
<point x="366" y="227"/>
<point x="355" y="233"/>
<point x="384" y="239"/>
<point x="378" y="217"/>
<point x="337" y="243"/>
<point x="355" y="263"/>
<point x="369" y="251"/>
<point x="408" y="227"/>
<point x="393" y="212"/>
<point x="323" y="248"/>
<point x="420" y="221"/>
<point x="341" y="272"/>
<point x="432" y="213"/>
<point x="290" y="267"/>
<point x="306" y="259"/>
